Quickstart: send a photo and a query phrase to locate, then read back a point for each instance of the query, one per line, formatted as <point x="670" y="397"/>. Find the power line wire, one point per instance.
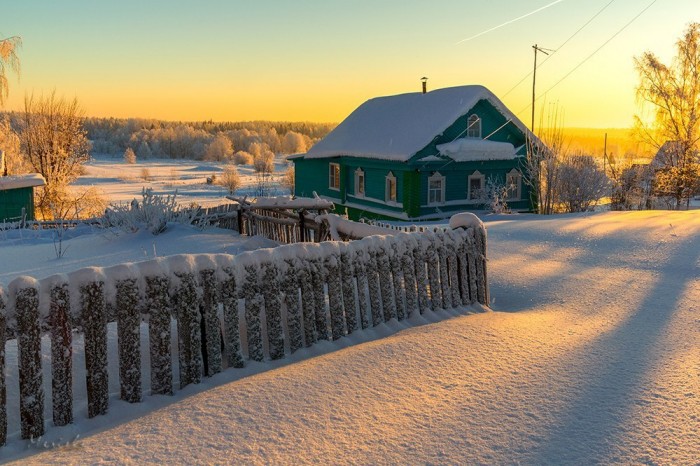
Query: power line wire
<point x="560" y="47"/>
<point x="591" y="55"/>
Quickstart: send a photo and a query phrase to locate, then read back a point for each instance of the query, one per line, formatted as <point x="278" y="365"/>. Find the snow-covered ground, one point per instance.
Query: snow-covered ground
<point x="592" y="355"/>
<point x="119" y="182"/>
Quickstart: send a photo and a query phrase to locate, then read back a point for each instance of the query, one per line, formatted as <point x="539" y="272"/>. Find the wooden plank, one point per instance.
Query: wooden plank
<point x="159" y="335"/>
<point x="129" y="337"/>
<point x="61" y="355"/>
<point x="94" y="319"/>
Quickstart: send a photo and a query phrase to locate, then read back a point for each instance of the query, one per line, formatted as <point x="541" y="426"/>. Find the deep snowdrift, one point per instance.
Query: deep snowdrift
<point x="591" y="356"/>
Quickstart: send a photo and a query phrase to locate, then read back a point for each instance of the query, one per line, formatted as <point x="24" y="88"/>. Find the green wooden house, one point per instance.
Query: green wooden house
<point x="17" y="197"/>
<point x="419" y="156"/>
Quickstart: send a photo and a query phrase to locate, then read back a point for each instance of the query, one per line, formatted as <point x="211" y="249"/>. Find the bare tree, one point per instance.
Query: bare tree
<point x="287" y="181"/>
<point x="672" y="92"/>
<point x="8" y="59"/>
<point x="9" y="144"/>
<point x="542" y="162"/>
<point x="263" y="165"/>
<point x="55" y="145"/>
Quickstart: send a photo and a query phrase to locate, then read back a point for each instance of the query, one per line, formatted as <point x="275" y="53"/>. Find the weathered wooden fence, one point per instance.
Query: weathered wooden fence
<point x="275" y="300"/>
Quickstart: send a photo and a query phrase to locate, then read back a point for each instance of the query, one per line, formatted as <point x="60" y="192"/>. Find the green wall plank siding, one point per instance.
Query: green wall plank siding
<point x="13" y="200"/>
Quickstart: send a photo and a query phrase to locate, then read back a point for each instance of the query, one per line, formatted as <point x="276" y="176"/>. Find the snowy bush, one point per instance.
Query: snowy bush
<point x="129" y="156"/>
<point x="153" y="213"/>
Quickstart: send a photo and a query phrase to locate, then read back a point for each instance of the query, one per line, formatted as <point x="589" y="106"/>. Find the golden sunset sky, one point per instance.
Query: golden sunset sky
<point x="317" y="60"/>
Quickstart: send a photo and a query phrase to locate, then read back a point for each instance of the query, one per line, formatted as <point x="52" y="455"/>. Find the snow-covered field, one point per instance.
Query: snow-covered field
<point x="591" y="355"/>
<point x="119" y="182"/>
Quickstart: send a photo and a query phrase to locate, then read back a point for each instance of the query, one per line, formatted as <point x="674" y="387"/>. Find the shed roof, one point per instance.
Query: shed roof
<point x="396" y="127"/>
<point x="21" y="181"/>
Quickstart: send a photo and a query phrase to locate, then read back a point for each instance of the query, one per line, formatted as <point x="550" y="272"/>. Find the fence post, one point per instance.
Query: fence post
<point x="253" y="306"/>
<point x="290" y="287"/>
<point x="375" y="295"/>
<point x="94" y="317"/>
<point x="61" y="354"/>
<point x="302" y="228"/>
<point x="273" y="310"/>
<point x="308" y="303"/>
<point x="362" y="286"/>
<point x="129" y="338"/>
<point x="335" y="296"/>
<point x="211" y="336"/>
<point x="483" y="287"/>
<point x="239" y="219"/>
<point x="318" y="278"/>
<point x="232" y="339"/>
<point x="409" y="279"/>
<point x="188" y="329"/>
<point x="386" y="282"/>
<point x="433" y="272"/>
<point x="445" y="292"/>
<point x="421" y="274"/>
<point x="31" y="391"/>
<point x="346" y="270"/>
<point x="452" y="270"/>
<point x="471" y="261"/>
<point x="159" y="334"/>
<point x="397" y="275"/>
<point x="3" y="386"/>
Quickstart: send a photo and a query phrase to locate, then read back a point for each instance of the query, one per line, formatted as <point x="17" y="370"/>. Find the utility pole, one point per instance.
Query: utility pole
<point x="534" y="75"/>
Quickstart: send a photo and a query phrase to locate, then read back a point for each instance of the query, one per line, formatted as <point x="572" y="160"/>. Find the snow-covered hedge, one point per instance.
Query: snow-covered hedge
<point x="289" y="297"/>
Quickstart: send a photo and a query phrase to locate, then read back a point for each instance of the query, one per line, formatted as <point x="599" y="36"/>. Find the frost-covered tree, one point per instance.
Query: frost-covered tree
<point x="581" y="183"/>
<point x="129" y="156"/>
<point x="242" y="158"/>
<point x="672" y="93"/>
<point x="8" y="59"/>
<point x="14" y="164"/>
<point x="55" y="144"/>
<point x="287" y="180"/>
<point x="293" y="143"/>
<point x="263" y="165"/>
<point x="219" y="149"/>
<point x="493" y="196"/>
<point x="143" y="151"/>
<point x="230" y="179"/>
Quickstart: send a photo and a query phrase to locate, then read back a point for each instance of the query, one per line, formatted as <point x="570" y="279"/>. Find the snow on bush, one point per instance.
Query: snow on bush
<point x="153" y="213"/>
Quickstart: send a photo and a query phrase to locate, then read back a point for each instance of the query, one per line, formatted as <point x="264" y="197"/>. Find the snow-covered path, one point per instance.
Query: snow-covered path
<point x="591" y="356"/>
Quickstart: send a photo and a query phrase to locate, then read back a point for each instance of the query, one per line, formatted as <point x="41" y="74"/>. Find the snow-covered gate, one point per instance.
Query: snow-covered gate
<point x="223" y="311"/>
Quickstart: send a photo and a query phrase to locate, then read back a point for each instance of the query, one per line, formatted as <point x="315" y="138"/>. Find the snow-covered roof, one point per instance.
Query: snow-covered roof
<point x="396" y="127"/>
<point x="23" y="181"/>
<point x="466" y="149"/>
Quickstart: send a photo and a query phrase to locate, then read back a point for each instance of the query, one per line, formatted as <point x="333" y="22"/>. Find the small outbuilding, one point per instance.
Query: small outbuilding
<point x="419" y="156"/>
<point x="17" y="196"/>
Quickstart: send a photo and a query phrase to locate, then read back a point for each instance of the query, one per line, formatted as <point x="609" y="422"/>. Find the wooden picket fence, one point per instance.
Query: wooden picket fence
<point x="300" y="294"/>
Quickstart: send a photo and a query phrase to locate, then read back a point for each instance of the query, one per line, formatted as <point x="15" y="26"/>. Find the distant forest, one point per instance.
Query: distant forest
<point x="201" y="140"/>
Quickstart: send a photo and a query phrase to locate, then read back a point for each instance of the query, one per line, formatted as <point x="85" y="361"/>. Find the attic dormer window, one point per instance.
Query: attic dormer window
<point x="474" y="126"/>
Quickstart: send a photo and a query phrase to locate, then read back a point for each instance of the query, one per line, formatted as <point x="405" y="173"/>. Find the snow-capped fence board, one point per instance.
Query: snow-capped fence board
<point x="291" y="296"/>
<point x="94" y="320"/>
<point x="156" y="306"/>
<point x="129" y="340"/>
<point x="3" y="387"/>
<point x="61" y="353"/>
<point x="31" y="390"/>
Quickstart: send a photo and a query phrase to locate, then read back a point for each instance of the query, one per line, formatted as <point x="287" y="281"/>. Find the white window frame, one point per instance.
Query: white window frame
<point x="332" y="178"/>
<point x="390" y="180"/>
<point x="360" y="175"/>
<point x="518" y="182"/>
<point x="475" y="176"/>
<point x="436" y="177"/>
<point x="474" y="126"/>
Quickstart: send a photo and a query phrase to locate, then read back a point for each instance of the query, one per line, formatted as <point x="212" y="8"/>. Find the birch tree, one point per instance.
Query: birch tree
<point x="672" y="94"/>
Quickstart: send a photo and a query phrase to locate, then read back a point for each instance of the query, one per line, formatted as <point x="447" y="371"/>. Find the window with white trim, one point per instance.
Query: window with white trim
<point x="475" y="186"/>
<point x="474" y="126"/>
<point x="360" y="182"/>
<point x="513" y="183"/>
<point x="390" y="191"/>
<point x="436" y="189"/>
<point x="334" y="176"/>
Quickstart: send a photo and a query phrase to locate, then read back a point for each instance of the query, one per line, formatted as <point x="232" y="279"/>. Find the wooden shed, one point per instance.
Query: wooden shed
<point x="17" y="196"/>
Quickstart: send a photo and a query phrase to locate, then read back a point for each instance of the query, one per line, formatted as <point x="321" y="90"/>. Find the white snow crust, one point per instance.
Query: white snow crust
<point x="21" y="181"/>
<point x="465" y="220"/>
<point x="471" y="149"/>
